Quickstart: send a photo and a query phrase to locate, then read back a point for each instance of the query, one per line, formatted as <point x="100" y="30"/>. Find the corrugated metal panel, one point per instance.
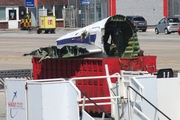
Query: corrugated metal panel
<point x="151" y="10"/>
<point x="80" y="67"/>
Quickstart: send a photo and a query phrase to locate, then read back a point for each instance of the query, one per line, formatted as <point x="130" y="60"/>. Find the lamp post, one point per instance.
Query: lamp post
<point x="77" y="13"/>
<point x="36" y="7"/>
<point x="95" y="12"/>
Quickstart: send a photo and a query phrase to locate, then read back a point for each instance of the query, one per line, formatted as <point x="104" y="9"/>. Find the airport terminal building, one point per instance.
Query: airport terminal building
<point x="79" y="13"/>
<point x="151" y="10"/>
<point x="12" y="11"/>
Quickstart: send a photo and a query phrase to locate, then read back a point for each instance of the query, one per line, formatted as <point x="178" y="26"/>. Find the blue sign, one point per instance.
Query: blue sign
<point x="85" y="2"/>
<point x="29" y="3"/>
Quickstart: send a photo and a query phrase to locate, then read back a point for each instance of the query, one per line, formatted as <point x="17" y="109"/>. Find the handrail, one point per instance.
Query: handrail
<point x="141" y="89"/>
<point x="115" y="75"/>
<point x="148" y="102"/>
<point x="97" y="105"/>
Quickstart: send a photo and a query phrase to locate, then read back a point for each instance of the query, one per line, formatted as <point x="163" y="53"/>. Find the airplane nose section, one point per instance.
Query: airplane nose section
<point x="120" y="38"/>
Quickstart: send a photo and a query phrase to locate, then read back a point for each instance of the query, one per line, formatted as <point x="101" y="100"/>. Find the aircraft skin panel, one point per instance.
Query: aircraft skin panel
<point x="88" y="40"/>
<point x="91" y="28"/>
<point x="90" y="48"/>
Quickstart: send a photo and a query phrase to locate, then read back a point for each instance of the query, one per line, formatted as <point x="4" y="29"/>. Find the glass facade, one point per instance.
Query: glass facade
<point x="58" y="11"/>
<point x="12" y="15"/>
<point x="174" y="8"/>
<point x="92" y="11"/>
<point x="22" y="12"/>
<point x="2" y="13"/>
<point x="48" y="7"/>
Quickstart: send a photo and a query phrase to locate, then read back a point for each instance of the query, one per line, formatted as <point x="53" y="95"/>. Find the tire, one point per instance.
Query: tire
<point x="39" y="31"/>
<point x="22" y="27"/>
<point x="144" y="30"/>
<point x="166" y="31"/>
<point x="46" y="31"/>
<point x="156" y="31"/>
<point x="52" y="31"/>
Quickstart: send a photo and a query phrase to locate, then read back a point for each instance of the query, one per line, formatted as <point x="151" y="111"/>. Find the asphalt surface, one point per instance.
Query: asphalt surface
<point x="2" y="105"/>
<point x="14" y="43"/>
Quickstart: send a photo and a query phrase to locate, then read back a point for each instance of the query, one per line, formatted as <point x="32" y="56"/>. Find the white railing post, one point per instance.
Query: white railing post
<point x="134" y="105"/>
<point x="83" y="105"/>
<point x="178" y="75"/>
<point x="110" y="88"/>
<point x="129" y="106"/>
<point x="155" y="114"/>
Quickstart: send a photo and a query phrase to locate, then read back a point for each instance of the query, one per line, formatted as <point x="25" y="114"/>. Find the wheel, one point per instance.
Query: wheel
<point x="39" y="31"/>
<point x="144" y="30"/>
<point x="29" y="29"/>
<point x="52" y="31"/>
<point x="156" y="31"/>
<point x="166" y="31"/>
<point x="46" y="31"/>
<point x="22" y="27"/>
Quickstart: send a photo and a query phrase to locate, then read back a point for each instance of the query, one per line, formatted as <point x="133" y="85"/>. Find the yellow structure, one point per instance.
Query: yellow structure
<point x="47" y="23"/>
<point x="26" y="21"/>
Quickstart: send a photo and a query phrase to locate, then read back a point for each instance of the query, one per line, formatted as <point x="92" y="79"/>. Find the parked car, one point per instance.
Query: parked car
<point x="167" y="25"/>
<point x="139" y="22"/>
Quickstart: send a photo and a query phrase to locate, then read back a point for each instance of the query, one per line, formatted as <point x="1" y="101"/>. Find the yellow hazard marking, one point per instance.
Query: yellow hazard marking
<point x="12" y="58"/>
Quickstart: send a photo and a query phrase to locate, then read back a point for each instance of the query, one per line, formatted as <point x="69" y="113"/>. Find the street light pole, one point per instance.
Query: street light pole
<point x="36" y="7"/>
<point x="95" y="12"/>
<point x="77" y="13"/>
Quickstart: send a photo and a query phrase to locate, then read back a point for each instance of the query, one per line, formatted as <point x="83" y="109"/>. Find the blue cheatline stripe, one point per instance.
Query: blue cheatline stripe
<point x="88" y="40"/>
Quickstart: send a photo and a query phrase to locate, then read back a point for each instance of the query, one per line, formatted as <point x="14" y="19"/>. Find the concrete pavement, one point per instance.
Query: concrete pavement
<point x="11" y="55"/>
<point x="12" y="48"/>
<point x="2" y="105"/>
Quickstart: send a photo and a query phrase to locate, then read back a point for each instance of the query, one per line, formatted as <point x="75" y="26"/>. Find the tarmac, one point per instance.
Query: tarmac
<point x="2" y="105"/>
<point x="149" y="28"/>
<point x="15" y="32"/>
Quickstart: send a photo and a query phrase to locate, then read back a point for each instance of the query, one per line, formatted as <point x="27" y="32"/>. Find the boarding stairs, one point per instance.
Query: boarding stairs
<point x="130" y="97"/>
<point x="127" y="97"/>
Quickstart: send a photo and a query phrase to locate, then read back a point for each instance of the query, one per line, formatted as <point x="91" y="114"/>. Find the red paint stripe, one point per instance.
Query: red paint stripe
<point x="165" y="8"/>
<point x="112" y="7"/>
<point x="36" y="2"/>
<point x="109" y="7"/>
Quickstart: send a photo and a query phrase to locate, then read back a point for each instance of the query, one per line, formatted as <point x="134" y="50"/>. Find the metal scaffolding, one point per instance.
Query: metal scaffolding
<point x="88" y="11"/>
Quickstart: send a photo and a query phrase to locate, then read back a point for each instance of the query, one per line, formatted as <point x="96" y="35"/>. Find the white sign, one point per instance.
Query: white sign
<point x="15" y="99"/>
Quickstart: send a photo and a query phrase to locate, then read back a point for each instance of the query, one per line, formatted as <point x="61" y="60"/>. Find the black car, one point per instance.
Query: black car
<point x="139" y="22"/>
